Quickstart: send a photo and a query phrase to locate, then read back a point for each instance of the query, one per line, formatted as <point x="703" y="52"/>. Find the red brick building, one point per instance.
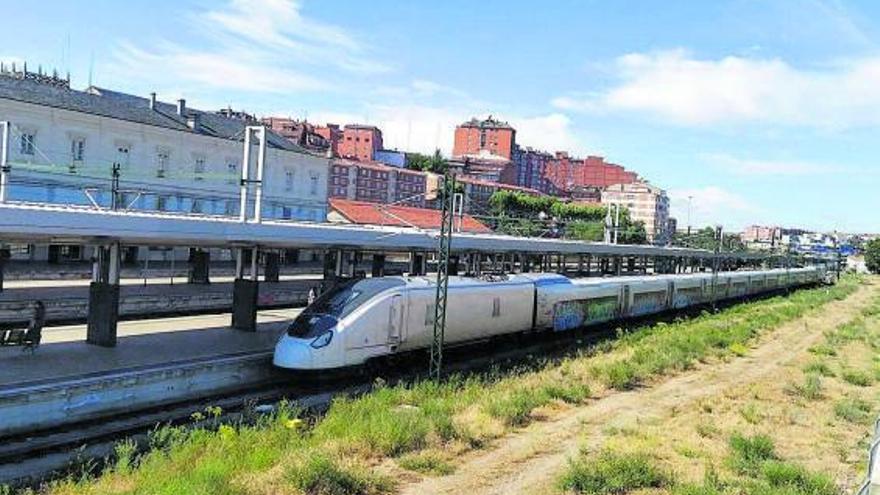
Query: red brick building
<point x="300" y="132"/>
<point x="377" y="183"/>
<point x="567" y="173"/>
<point x="481" y="136"/>
<point x="333" y="134"/>
<point x="360" y="142"/>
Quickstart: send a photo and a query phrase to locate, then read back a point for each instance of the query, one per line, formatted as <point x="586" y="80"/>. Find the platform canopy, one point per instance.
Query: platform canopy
<point x="64" y="224"/>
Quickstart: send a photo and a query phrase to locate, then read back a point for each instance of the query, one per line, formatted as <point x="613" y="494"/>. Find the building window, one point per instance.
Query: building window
<point x="482" y="139"/>
<point x="289" y="177"/>
<point x="77" y="149"/>
<point x="161" y="203"/>
<point x="313" y="187"/>
<point x="229" y="207"/>
<point x="26" y="145"/>
<point x="162" y="158"/>
<point x="197" y="206"/>
<point x="285" y="213"/>
<point x="199" y="167"/>
<point x="123" y="155"/>
<point x="232" y="170"/>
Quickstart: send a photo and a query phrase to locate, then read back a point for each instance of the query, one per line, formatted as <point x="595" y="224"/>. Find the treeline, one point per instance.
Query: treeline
<point x="522" y="214"/>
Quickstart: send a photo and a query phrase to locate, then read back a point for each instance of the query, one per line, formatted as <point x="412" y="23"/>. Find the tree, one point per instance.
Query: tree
<point x="872" y="255"/>
<point x="427" y="163"/>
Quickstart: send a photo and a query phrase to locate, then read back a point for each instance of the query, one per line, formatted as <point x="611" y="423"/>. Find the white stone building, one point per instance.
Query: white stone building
<point x="64" y="145"/>
<point x="645" y="203"/>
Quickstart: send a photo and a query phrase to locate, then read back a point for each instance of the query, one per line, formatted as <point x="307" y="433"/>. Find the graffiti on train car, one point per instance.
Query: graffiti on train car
<point x="648" y="302"/>
<point x="688" y="296"/>
<point x="568" y="315"/>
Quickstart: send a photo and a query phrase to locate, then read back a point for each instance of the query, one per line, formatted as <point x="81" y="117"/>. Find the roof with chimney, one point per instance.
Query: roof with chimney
<point x="122" y="106"/>
<point x="364" y="213"/>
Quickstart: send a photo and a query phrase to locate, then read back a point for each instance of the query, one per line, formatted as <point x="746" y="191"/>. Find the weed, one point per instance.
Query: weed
<point x="426" y="462"/>
<point x="857" y="378"/>
<point x="811" y="389"/>
<point x="751" y="413"/>
<point x="823" y="350"/>
<point x="854" y="410"/>
<point x="125" y="453"/>
<point x="317" y="473"/>
<point x="748" y="453"/>
<point x="792" y="478"/>
<point x="613" y="473"/>
<point x="707" y="430"/>
<point x="738" y="349"/>
<point x="820" y="368"/>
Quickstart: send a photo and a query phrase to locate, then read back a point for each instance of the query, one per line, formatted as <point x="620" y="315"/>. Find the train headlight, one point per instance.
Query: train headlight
<point x="322" y="340"/>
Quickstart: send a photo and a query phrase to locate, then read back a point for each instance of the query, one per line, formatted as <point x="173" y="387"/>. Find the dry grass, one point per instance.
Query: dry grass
<point x="815" y="433"/>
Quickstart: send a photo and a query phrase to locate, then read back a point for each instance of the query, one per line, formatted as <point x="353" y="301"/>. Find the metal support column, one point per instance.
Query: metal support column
<point x="245" y="293"/>
<point x="4" y="161"/>
<point x="378" y="268"/>
<point x="443" y="244"/>
<point x="199" y="270"/>
<point x="272" y="273"/>
<point x="103" y="312"/>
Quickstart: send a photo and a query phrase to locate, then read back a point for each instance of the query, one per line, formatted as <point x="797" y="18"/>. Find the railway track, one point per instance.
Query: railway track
<point x="33" y="458"/>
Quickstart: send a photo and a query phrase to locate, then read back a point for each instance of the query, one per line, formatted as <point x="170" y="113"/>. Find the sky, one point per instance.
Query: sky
<point x="745" y="111"/>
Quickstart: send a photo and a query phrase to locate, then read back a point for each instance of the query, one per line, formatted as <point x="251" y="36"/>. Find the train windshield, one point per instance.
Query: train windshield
<point x="337" y="303"/>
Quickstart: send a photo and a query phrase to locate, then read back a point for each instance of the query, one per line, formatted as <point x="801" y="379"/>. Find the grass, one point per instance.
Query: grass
<point x="810" y="389"/>
<point x="613" y="473"/>
<point x="333" y="454"/>
<point x="426" y="462"/>
<point x="749" y="453"/>
<point x="854" y="410"/>
<point x="857" y="378"/>
<point x="820" y="368"/>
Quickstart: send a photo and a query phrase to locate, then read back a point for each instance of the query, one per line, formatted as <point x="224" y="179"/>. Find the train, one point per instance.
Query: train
<point x="362" y="321"/>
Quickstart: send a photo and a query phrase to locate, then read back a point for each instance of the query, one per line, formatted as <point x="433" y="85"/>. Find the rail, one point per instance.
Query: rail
<point x="873" y="468"/>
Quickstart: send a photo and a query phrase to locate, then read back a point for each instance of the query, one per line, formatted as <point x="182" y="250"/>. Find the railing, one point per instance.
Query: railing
<point x="873" y="467"/>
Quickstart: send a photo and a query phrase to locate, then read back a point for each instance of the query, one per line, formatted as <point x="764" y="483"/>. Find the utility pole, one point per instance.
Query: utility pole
<point x="719" y="241"/>
<point x="447" y="200"/>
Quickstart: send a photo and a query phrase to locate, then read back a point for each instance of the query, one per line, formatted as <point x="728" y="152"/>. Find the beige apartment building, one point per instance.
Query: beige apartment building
<point x="644" y="202"/>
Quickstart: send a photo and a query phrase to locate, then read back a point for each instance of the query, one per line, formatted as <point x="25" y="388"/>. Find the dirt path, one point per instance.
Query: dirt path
<point x="530" y="460"/>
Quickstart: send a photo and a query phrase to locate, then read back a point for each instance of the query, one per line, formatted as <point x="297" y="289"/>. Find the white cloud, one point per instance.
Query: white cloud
<point x="712" y="205"/>
<point x="751" y="167"/>
<point x="675" y="86"/>
<point x="250" y="45"/>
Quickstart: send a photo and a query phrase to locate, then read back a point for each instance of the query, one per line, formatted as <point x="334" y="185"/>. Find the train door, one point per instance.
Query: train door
<point x="396" y="327"/>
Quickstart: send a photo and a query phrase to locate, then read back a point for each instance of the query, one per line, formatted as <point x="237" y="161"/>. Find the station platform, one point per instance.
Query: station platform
<point x="64" y="354"/>
<point x="67" y="300"/>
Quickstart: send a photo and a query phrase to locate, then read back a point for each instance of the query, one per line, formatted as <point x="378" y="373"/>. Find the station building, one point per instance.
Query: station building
<point x="74" y="147"/>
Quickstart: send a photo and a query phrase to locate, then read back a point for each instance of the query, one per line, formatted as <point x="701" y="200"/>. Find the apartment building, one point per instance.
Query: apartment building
<point x="645" y="203"/>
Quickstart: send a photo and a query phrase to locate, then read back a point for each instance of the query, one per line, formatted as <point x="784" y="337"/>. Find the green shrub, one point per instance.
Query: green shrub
<point x="748" y="453"/>
<point x="613" y="473"/>
<point x="853" y="410"/>
<point x="857" y="378"/>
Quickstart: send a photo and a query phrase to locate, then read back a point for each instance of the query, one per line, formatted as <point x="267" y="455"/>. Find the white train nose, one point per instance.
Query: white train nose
<point x="293" y="354"/>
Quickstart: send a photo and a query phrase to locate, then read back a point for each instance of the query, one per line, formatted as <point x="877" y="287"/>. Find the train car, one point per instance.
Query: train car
<point x="362" y="320"/>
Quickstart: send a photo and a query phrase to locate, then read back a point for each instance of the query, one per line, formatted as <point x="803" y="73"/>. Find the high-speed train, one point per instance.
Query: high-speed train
<point x="362" y="320"/>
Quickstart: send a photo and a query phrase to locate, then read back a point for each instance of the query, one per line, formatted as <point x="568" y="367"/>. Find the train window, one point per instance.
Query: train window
<point x="496" y="307"/>
<point x="338" y="302"/>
